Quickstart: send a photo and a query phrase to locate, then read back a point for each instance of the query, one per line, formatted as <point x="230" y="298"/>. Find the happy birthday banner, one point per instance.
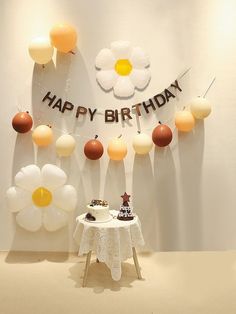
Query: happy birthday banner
<point x="112" y="115"/>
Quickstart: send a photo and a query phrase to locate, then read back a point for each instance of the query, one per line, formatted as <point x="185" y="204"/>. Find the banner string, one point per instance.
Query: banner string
<point x="209" y="87"/>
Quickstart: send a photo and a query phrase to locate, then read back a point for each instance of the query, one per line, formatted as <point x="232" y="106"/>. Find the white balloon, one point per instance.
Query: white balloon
<point x="30" y="218"/>
<point x="28" y="178"/>
<point x="53" y="177"/>
<point x="65" y="197"/>
<point x="200" y="107"/>
<point x="18" y="198"/>
<point x="36" y="208"/>
<point x="54" y="219"/>
<point x="65" y="145"/>
<point x="142" y="143"/>
<point x="41" y="50"/>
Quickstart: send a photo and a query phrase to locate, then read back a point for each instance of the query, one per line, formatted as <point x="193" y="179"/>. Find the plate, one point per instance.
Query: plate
<point x="97" y="221"/>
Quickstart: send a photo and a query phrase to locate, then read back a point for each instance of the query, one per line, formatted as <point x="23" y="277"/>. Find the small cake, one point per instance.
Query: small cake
<point x="98" y="210"/>
<point x="125" y="209"/>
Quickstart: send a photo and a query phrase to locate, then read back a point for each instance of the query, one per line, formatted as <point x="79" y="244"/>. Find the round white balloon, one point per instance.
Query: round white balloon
<point x="142" y="143"/>
<point x="65" y="145"/>
<point x="41" y="50"/>
<point x="200" y="107"/>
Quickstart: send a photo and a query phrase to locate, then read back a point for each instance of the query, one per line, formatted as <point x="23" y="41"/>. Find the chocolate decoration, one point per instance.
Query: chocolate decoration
<point x="22" y="122"/>
<point x="162" y="135"/>
<point x="98" y="203"/>
<point x="93" y="149"/>
<point x="125" y="198"/>
<point x="90" y="217"/>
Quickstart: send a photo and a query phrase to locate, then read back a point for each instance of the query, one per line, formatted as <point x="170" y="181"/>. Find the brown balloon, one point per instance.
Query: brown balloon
<point x="93" y="149"/>
<point x="162" y="135"/>
<point x="22" y="122"/>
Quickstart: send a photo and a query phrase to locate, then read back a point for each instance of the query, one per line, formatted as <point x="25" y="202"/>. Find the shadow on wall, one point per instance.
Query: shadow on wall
<point x="92" y="177"/>
<point x="191" y="149"/>
<point x="115" y="183"/>
<point x="143" y="191"/>
<point x="166" y="197"/>
<point x="60" y="80"/>
<point x="23" y="153"/>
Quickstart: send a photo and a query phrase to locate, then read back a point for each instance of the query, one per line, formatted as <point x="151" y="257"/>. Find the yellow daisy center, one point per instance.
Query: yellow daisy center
<point x="42" y="197"/>
<point x="123" y="67"/>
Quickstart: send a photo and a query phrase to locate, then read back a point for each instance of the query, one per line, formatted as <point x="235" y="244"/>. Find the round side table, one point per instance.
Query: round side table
<point x="113" y="242"/>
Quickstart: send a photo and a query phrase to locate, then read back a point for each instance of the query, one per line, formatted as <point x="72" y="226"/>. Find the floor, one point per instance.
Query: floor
<point x="174" y="283"/>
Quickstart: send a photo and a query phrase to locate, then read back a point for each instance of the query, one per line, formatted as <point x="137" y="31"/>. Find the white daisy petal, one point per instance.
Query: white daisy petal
<point x="65" y="197"/>
<point x="18" y="198"/>
<point x="121" y="49"/>
<point x="140" y="78"/>
<point x="107" y="79"/>
<point x="30" y="218"/>
<point x="124" y="87"/>
<point x="139" y="58"/>
<point x="28" y="178"/>
<point x="53" y="177"/>
<point x="54" y="218"/>
<point x="105" y="59"/>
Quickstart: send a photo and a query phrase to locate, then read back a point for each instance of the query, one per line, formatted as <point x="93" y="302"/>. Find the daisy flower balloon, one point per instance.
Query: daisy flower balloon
<point x="41" y="198"/>
<point x="122" y="68"/>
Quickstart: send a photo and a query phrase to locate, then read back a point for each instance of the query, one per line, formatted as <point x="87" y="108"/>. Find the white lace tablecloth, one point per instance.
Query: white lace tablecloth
<point x="111" y="241"/>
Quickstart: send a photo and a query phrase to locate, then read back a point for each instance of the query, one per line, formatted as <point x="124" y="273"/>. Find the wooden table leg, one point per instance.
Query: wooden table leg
<point x="136" y="263"/>
<point x="86" y="268"/>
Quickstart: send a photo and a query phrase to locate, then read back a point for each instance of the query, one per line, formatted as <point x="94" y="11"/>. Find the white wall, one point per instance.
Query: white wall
<point x="184" y="194"/>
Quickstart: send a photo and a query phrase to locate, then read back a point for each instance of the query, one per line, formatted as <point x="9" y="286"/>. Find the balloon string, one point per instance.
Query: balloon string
<point x="208" y="88"/>
<point x="184" y="73"/>
<point x="92" y="136"/>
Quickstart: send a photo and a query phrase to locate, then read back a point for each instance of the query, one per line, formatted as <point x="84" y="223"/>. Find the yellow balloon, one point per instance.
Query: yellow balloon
<point x="42" y="197"/>
<point x="65" y="145"/>
<point x="42" y="135"/>
<point x="63" y="37"/>
<point x="200" y="107"/>
<point x="142" y="144"/>
<point x="41" y="50"/>
<point x="117" y="149"/>
<point x="184" y="121"/>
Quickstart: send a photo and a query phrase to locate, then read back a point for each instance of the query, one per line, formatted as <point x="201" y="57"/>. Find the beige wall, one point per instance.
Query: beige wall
<point x="184" y="194"/>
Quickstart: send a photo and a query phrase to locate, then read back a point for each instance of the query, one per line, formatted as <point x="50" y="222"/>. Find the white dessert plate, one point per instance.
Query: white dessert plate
<point x="97" y="221"/>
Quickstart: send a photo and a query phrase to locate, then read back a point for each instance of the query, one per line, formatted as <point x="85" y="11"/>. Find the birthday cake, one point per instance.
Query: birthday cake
<point x="98" y="210"/>
<point x="125" y="212"/>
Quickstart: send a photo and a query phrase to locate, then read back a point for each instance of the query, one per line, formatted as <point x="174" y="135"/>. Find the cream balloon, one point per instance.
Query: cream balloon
<point x="65" y="145"/>
<point x="142" y="144"/>
<point x="200" y="107"/>
<point x="41" y="50"/>
<point x="117" y="149"/>
<point x="184" y="121"/>
<point x="42" y="135"/>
